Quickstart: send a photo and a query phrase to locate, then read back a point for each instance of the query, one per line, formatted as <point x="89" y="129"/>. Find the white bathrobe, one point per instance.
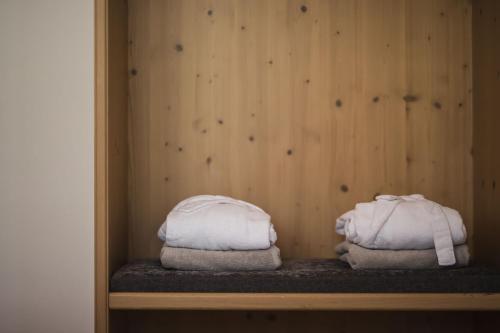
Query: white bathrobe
<point x="214" y="222"/>
<point x="404" y="223"/>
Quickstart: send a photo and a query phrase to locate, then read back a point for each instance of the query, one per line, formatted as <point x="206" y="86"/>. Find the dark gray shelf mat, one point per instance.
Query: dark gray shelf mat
<point x="310" y="275"/>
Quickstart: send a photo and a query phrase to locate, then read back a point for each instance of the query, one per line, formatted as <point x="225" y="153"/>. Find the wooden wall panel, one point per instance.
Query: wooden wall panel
<point x="439" y="79"/>
<point x="301" y="107"/>
<point x="486" y="48"/>
<point x="113" y="116"/>
<point x="117" y="141"/>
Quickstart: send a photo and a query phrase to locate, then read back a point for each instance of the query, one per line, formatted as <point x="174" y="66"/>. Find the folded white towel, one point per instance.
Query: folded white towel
<point x="404" y="223"/>
<point x="214" y="222"/>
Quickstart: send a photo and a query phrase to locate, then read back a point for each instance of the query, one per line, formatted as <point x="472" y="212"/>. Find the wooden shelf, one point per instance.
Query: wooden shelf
<point x="303" y="301"/>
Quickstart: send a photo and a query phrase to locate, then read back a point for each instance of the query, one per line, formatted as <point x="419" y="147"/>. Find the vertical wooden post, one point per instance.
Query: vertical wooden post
<point x="100" y="137"/>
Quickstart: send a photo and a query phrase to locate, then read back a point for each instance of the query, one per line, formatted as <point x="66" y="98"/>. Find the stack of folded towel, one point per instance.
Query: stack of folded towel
<point x="402" y="232"/>
<point x="212" y="232"/>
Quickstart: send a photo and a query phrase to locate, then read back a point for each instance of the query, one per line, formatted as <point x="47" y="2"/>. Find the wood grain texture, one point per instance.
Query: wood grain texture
<point x="317" y="322"/>
<point x="111" y="150"/>
<point x="303" y="111"/>
<point x="117" y="143"/>
<point x="304" y="108"/>
<point x="100" y="169"/>
<point x="486" y="32"/>
<point x="291" y="301"/>
<point x="117" y="125"/>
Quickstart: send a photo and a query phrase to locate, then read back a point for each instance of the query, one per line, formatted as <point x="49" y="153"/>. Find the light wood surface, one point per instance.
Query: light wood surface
<point x="290" y="301"/>
<point x="486" y="27"/>
<point x="303" y="113"/>
<point x="100" y="171"/>
<point x="111" y="149"/>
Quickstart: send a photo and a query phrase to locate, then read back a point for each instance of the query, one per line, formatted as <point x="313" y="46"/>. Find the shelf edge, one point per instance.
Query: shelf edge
<point x="304" y="301"/>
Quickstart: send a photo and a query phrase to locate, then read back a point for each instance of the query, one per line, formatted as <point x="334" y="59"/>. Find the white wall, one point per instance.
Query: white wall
<point x="46" y="166"/>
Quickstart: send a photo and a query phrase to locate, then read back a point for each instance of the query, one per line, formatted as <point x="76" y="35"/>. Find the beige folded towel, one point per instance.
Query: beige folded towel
<point x="204" y="260"/>
<point x="361" y="258"/>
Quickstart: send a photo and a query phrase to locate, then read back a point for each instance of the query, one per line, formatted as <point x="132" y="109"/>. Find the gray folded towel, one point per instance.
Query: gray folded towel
<point x="203" y="260"/>
<point x="361" y="258"/>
